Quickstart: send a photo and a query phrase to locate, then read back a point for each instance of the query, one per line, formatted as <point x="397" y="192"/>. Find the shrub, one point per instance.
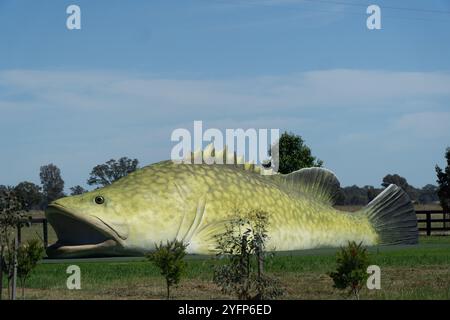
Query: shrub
<point x="352" y="262"/>
<point x="243" y="246"/>
<point x="169" y="258"/>
<point x="28" y="255"/>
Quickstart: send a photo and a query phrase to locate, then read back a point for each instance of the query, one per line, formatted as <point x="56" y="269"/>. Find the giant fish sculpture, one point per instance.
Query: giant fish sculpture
<point x="194" y="202"/>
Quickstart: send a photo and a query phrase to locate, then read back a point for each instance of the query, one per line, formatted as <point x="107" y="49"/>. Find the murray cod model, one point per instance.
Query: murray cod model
<point x="194" y="202"/>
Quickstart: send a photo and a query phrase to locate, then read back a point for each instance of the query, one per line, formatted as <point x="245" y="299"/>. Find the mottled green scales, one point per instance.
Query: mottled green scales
<point x="193" y="202"/>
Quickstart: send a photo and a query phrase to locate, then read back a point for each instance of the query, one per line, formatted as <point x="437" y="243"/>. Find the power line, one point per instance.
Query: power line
<point x="344" y="3"/>
<point x="363" y="5"/>
<point x="359" y="5"/>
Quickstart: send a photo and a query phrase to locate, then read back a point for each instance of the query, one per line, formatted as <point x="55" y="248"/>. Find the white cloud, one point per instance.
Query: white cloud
<point x="340" y="88"/>
<point x="425" y="124"/>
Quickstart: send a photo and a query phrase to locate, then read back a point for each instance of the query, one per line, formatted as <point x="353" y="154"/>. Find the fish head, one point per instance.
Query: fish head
<point x="91" y="224"/>
<point x="129" y="217"/>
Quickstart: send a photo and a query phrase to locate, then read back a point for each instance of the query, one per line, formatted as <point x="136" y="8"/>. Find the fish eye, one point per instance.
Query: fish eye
<point x="99" y="200"/>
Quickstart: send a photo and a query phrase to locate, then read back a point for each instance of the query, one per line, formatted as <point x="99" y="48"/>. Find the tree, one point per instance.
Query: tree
<point x="28" y="256"/>
<point x="294" y="154"/>
<point x="353" y="196"/>
<point x="77" y="190"/>
<point x="443" y="180"/>
<point x="428" y="194"/>
<point x="112" y="170"/>
<point x="169" y="259"/>
<point x="395" y="179"/>
<point x="402" y="183"/>
<point x="242" y="244"/>
<point x="52" y="183"/>
<point x="352" y="262"/>
<point x="372" y="192"/>
<point x="29" y="194"/>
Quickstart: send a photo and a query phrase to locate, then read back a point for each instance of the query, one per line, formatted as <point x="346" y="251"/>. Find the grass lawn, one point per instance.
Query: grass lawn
<point x="412" y="272"/>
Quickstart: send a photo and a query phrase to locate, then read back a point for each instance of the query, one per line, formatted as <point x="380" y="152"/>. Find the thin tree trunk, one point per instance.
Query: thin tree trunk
<point x="168" y="290"/>
<point x="356" y="293"/>
<point x="9" y="286"/>
<point x="2" y="251"/>
<point x="259" y="256"/>
<point x="14" y="283"/>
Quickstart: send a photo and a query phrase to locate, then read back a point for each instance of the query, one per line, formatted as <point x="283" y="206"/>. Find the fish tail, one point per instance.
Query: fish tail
<point x="393" y="217"/>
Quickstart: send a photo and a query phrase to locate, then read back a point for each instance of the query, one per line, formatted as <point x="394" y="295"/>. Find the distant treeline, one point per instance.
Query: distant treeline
<point x="35" y="197"/>
<point x="360" y="196"/>
<point x="294" y="154"/>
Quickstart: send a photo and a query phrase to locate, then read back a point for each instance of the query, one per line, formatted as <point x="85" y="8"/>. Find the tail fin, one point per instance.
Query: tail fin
<point x="393" y="217"/>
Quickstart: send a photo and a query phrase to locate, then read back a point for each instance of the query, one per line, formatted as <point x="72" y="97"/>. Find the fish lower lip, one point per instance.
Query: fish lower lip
<point x="59" y="249"/>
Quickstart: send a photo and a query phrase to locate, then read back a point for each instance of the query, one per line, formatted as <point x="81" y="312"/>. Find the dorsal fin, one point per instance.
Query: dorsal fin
<point x="209" y="154"/>
<point x="319" y="183"/>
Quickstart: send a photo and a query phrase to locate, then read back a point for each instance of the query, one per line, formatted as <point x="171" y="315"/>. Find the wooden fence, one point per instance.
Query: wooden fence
<point x="44" y="230"/>
<point x="435" y="220"/>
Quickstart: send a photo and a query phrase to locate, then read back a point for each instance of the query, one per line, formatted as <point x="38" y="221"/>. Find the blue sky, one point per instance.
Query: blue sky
<point x="368" y="103"/>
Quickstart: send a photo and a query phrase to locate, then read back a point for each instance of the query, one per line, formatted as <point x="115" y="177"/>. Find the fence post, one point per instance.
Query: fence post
<point x="45" y="231"/>
<point x="19" y="234"/>
<point x="428" y="223"/>
<point x="444" y="222"/>
<point x="446" y="217"/>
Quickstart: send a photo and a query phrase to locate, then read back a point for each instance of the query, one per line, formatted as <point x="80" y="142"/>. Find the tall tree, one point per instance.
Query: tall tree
<point x="29" y="194"/>
<point x="52" y="183"/>
<point x="112" y="170"/>
<point x="402" y="183"/>
<point x="443" y="180"/>
<point x="77" y="190"/>
<point x="395" y="179"/>
<point x="294" y="154"/>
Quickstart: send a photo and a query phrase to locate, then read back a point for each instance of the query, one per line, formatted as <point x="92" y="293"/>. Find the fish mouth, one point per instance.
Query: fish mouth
<point x="80" y="236"/>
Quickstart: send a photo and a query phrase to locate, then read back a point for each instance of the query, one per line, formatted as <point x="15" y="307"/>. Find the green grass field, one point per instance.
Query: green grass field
<point x="411" y="272"/>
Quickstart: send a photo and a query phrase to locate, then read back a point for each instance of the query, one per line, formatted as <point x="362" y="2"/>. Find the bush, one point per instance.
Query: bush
<point x="169" y="259"/>
<point x="242" y="245"/>
<point x="28" y="255"/>
<point x="352" y="262"/>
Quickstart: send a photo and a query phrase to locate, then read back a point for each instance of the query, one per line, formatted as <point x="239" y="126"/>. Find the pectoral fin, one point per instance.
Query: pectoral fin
<point x="205" y="239"/>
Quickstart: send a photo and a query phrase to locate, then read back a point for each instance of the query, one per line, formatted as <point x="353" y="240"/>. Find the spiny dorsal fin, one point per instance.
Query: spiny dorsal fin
<point x="209" y="156"/>
<point x="319" y="183"/>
